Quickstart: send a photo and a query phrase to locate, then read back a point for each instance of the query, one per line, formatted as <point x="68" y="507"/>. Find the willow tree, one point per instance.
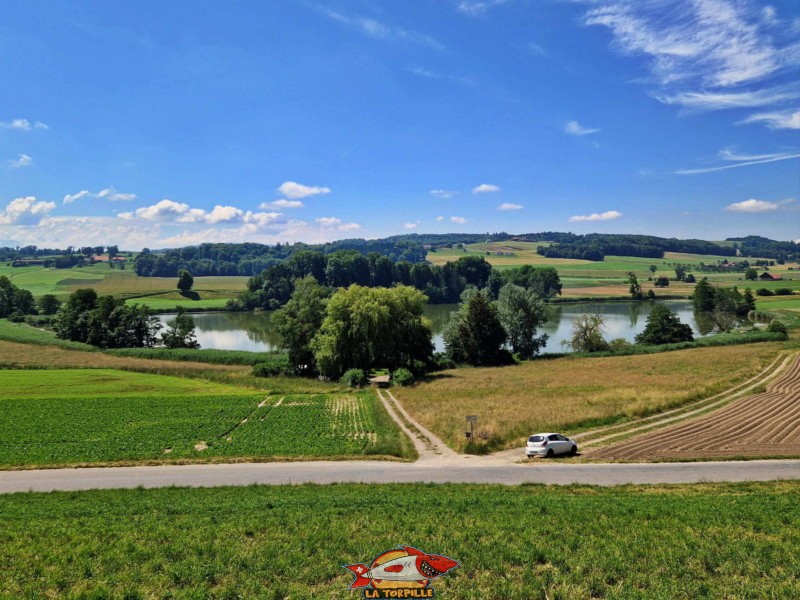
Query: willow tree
<point x="367" y="328"/>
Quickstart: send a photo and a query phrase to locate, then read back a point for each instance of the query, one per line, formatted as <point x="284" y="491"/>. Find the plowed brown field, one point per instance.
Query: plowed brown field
<point x="763" y="425"/>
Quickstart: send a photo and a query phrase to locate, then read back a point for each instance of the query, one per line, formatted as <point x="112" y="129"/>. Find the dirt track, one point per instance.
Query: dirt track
<point x="762" y="425"/>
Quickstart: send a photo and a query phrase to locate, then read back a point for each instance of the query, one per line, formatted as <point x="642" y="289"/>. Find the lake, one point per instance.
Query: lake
<point x="253" y="331"/>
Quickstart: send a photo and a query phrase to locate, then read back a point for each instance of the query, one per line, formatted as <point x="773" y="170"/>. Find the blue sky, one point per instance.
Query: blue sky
<point x="172" y="123"/>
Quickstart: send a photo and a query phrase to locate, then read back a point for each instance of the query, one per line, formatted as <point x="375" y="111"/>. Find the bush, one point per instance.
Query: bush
<point x="17" y="317"/>
<point x="618" y="344"/>
<point x="354" y="378"/>
<point x="764" y="292"/>
<point x="274" y="366"/>
<point x="402" y="377"/>
<point x="442" y="362"/>
<point x="776" y="326"/>
<point x="783" y="292"/>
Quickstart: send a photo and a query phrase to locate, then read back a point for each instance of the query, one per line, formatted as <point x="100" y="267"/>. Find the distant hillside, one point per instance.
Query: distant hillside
<point x="755" y="245"/>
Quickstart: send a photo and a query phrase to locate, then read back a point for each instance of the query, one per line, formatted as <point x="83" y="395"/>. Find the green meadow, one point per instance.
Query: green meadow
<point x="529" y="542"/>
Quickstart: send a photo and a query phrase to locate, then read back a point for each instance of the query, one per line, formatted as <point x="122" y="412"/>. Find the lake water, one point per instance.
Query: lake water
<point x="253" y="331"/>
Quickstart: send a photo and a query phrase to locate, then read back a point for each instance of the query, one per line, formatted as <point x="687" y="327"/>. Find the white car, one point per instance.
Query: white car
<point x="550" y="444"/>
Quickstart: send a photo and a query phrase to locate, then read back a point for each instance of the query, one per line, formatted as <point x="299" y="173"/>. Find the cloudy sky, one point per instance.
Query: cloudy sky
<point x="171" y="123"/>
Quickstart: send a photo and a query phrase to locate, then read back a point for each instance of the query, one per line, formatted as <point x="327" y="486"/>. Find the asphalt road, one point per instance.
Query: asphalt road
<point x="322" y="472"/>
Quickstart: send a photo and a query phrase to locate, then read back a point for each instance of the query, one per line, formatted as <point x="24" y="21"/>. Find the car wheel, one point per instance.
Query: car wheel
<point x="573" y="451"/>
<point x="550" y="453"/>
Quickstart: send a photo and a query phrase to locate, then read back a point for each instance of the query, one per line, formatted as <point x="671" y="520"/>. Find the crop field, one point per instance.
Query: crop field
<point x="569" y="394"/>
<point x="63" y="417"/>
<point x="701" y="541"/>
<point x="778" y="302"/>
<point x="158" y="292"/>
<point x="767" y="424"/>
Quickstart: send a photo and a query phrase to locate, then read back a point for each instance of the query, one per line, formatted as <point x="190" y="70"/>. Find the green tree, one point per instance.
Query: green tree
<point x="664" y="327"/>
<point x="521" y="313"/>
<point x="185" y="281"/>
<point x="474" y="335"/>
<point x="653" y="269"/>
<point x="180" y="331"/>
<point x="703" y="296"/>
<point x="587" y="334"/>
<point x="680" y="272"/>
<point x="299" y="320"/>
<point x="366" y="328"/>
<point x="634" y="288"/>
<point x="48" y="304"/>
<point x="751" y="274"/>
<point x="474" y="269"/>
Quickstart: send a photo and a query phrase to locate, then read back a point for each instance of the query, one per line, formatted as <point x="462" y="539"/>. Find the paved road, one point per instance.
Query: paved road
<point x="388" y="472"/>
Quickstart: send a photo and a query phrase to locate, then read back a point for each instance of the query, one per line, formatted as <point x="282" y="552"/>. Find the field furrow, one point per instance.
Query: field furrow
<point x="766" y="424"/>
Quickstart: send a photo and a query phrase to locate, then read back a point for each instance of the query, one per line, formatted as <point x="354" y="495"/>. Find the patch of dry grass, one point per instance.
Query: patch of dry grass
<point x="569" y="394"/>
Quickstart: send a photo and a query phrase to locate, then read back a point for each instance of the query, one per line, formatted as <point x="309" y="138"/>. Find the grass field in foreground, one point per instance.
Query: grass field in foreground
<point x="63" y="417"/>
<point x="573" y="393"/>
<point x="530" y="542"/>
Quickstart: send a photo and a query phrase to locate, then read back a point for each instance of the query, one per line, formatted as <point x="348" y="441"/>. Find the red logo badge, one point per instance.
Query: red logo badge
<point x="404" y="572"/>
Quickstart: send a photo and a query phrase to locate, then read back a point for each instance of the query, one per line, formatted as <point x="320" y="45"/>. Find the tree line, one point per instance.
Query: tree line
<point x="252" y="259"/>
<point x="107" y="322"/>
<point x="596" y="246"/>
<point x="273" y="287"/>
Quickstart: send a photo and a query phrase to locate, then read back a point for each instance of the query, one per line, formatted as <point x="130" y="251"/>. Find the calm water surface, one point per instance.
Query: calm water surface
<point x="254" y="331"/>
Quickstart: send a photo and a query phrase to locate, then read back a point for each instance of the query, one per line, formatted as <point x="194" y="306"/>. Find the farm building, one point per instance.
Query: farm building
<point x="769" y="277"/>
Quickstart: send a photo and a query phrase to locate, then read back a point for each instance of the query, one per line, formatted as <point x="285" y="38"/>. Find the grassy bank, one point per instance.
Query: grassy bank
<point x="573" y="393"/>
<point x="219" y="357"/>
<point x="711" y="540"/>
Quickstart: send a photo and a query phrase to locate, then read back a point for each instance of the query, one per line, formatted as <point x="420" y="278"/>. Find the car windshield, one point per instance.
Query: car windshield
<point x="535" y="438"/>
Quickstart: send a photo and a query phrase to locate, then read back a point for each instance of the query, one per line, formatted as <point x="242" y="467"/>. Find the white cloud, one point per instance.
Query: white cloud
<point x="575" y="128"/>
<point x="23" y="161"/>
<point x="349" y="227"/>
<point x="699" y="50"/>
<point x="725" y="100"/>
<point x="605" y="216"/>
<point x="443" y="194"/>
<point x="485" y="188"/>
<point x="739" y="160"/>
<point x="535" y="49"/>
<point x="440" y="218"/>
<point x="510" y="206"/>
<point x="412" y="225"/>
<point x="107" y="194"/>
<point x="757" y="206"/>
<point x="70" y="198"/>
<point x="459" y="220"/>
<point x="25" y="211"/>
<point x="169" y="211"/>
<point x="114" y="196"/>
<point x="788" y="119"/>
<point x="423" y="72"/>
<point x="335" y="223"/>
<point x="282" y="204"/>
<point x="224" y="214"/>
<point x="477" y="7"/>
<point x="22" y="125"/>
<point x="294" y="190"/>
<point x="378" y="30"/>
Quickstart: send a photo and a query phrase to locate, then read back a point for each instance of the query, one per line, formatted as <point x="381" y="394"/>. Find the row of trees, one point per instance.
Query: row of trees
<point x="596" y="246"/>
<point x="107" y="322"/>
<point x="251" y="259"/>
<point x="273" y="287"/>
<point x="722" y="306"/>
<point x="364" y="328"/>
